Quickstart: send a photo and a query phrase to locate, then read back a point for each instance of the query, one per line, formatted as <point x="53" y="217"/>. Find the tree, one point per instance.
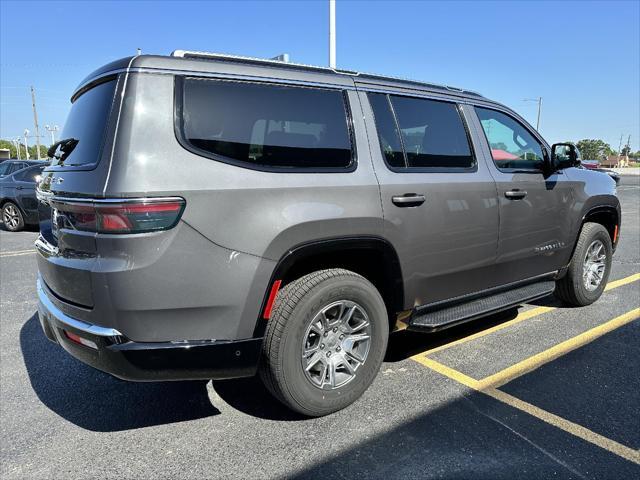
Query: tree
<point x="626" y="150"/>
<point x="594" y="149"/>
<point x="32" y="150"/>
<point x="11" y="147"/>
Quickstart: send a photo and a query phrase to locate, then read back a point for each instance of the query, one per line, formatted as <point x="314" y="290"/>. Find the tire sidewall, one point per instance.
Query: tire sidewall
<point x="311" y="398"/>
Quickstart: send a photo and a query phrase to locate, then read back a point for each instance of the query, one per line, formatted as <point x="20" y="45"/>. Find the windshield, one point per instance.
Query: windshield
<point x="86" y="125"/>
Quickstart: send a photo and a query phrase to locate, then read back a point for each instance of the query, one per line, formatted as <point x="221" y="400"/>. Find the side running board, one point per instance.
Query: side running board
<point x="446" y="317"/>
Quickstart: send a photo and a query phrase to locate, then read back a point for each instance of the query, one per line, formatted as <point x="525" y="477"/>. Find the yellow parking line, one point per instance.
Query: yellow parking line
<point x="15" y="253"/>
<point x="527" y="314"/>
<point x="447" y="371"/>
<point x="500" y="378"/>
<point x="558" y="422"/>
<point x="622" y="281"/>
<point x="566" y="426"/>
<point x="488" y="385"/>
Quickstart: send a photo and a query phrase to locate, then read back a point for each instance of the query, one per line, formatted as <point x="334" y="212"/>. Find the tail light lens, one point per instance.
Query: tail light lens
<point x="131" y="216"/>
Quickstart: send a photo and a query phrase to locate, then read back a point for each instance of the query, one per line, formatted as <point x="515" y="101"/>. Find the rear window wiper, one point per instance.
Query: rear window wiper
<point x="66" y="146"/>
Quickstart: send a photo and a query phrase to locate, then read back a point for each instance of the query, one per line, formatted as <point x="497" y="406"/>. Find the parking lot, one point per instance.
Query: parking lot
<point x="538" y="392"/>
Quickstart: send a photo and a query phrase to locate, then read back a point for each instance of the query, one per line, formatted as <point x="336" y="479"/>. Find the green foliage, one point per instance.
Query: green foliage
<point x="594" y="149"/>
<point x="32" y="150"/>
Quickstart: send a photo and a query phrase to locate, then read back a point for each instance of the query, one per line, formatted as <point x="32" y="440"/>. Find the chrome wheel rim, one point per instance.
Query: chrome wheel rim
<point x="594" y="265"/>
<point x="10" y="216"/>
<point x="336" y="344"/>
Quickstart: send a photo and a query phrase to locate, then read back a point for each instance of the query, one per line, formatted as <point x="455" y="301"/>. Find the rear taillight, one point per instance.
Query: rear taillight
<point x="131" y="216"/>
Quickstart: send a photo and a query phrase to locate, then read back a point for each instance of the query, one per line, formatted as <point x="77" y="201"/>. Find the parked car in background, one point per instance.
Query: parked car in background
<point x="7" y="167"/>
<point x="18" y="202"/>
<point x="590" y="164"/>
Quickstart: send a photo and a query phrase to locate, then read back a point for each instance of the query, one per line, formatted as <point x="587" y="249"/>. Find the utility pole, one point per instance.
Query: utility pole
<point x="35" y="121"/>
<point x="539" y="102"/>
<point x="52" y="131"/>
<point x="26" y="143"/>
<point x="332" y="33"/>
<point x="629" y="143"/>
<point x="620" y="145"/>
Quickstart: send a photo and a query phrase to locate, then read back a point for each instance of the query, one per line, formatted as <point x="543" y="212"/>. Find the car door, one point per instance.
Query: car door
<point x="439" y="204"/>
<point x="25" y="182"/>
<point x="535" y="228"/>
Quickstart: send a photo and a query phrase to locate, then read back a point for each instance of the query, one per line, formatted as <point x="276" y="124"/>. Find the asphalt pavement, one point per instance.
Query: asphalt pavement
<point x="542" y="391"/>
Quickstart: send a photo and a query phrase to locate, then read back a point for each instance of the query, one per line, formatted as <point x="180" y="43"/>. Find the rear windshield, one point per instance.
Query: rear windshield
<point x="266" y="125"/>
<point x="86" y="123"/>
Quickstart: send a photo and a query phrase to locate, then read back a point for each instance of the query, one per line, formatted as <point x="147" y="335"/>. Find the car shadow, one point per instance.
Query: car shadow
<point x="97" y="401"/>
<point x="404" y="344"/>
<point x="250" y="396"/>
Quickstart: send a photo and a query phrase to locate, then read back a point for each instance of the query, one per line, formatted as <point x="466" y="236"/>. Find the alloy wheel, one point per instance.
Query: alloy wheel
<point x="336" y="344"/>
<point x="594" y="265"/>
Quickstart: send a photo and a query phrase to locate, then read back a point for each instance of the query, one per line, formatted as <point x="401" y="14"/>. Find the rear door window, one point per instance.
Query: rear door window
<point x="431" y="133"/>
<point x="265" y="125"/>
<point x="387" y="130"/>
<point x="29" y="174"/>
<point x="85" y="126"/>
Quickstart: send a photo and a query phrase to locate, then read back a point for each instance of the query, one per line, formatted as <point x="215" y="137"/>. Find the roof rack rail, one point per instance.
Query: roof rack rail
<point x="241" y="58"/>
<point x="194" y="54"/>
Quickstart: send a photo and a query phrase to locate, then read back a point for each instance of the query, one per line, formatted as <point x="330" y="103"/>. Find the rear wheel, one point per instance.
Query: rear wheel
<point x="589" y="269"/>
<point x="325" y="341"/>
<point x="12" y="217"/>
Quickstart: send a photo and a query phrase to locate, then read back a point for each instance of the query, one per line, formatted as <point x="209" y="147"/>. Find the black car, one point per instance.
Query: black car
<point x="18" y="195"/>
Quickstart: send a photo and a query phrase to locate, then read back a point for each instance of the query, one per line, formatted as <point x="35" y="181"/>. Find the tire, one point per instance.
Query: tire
<point x="12" y="217"/>
<point x="296" y="324"/>
<point x="572" y="288"/>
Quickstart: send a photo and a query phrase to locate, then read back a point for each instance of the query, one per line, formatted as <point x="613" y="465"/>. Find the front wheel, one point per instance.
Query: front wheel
<point x="12" y="217"/>
<point x="589" y="269"/>
<point x="325" y="341"/>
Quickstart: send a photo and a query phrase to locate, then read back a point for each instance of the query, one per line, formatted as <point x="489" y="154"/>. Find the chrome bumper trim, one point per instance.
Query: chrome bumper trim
<point x="65" y="319"/>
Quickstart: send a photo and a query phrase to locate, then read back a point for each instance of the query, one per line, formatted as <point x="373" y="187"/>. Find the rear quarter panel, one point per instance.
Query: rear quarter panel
<point x="258" y="213"/>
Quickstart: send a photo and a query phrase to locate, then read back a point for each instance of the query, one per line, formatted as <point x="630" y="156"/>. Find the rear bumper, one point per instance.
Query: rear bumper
<point x="153" y="361"/>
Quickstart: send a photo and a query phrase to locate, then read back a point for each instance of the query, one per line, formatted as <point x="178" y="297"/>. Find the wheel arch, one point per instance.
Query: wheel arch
<point x="606" y="215"/>
<point x="370" y="256"/>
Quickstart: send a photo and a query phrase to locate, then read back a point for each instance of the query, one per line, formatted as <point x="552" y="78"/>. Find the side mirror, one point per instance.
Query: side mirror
<point x="564" y="155"/>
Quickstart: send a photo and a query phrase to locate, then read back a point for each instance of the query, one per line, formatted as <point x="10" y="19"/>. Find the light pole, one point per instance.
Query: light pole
<point x="52" y="131"/>
<point x="332" y="33"/>
<point x="26" y="142"/>
<point x="539" y="101"/>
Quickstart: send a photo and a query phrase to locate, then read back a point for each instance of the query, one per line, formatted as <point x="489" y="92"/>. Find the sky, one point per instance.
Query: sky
<point x="582" y="58"/>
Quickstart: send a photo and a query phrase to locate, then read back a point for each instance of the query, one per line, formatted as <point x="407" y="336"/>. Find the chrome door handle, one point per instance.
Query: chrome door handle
<point x="515" y="194"/>
<point x="408" y="200"/>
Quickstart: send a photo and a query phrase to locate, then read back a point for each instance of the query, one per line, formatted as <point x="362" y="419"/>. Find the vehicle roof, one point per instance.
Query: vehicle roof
<point x="204" y="62"/>
<point x="30" y="162"/>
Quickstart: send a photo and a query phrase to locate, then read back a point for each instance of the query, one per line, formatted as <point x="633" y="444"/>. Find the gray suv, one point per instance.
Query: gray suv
<point x="208" y="216"/>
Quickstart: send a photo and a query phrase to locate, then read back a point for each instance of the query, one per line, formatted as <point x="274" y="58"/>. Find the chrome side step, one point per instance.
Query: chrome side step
<point x="435" y="320"/>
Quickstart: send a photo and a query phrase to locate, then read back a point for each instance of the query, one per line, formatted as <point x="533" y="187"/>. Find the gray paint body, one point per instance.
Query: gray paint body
<point x="207" y="277"/>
